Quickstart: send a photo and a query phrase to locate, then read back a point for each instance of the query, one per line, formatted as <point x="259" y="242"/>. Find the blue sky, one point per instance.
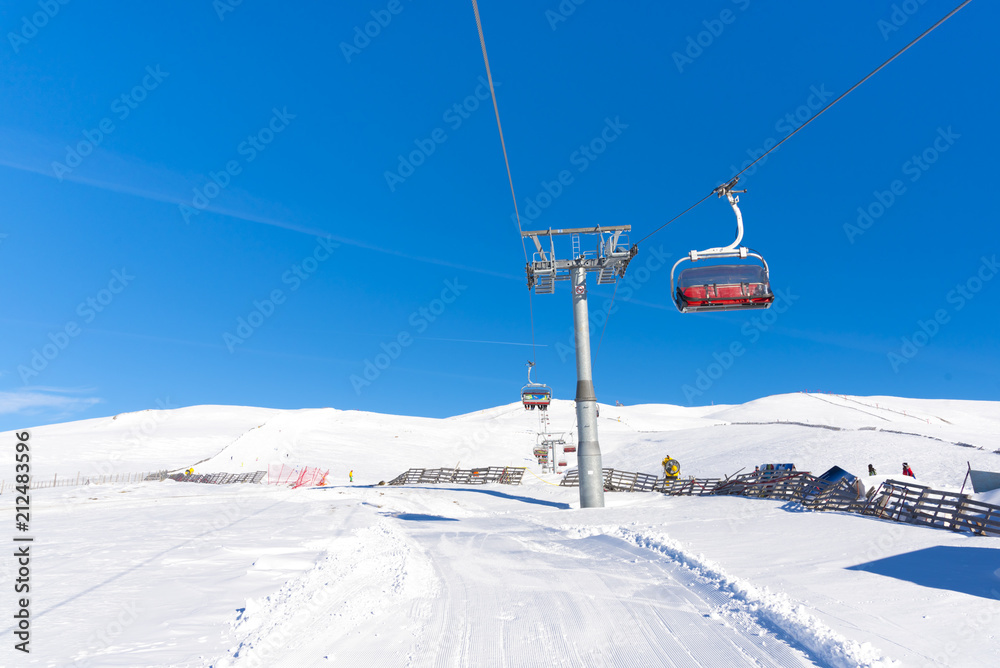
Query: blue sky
<point x="206" y="204"/>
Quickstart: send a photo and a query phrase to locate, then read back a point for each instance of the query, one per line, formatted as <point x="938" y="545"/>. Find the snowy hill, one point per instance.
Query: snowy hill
<point x="172" y="573"/>
<point x="814" y="431"/>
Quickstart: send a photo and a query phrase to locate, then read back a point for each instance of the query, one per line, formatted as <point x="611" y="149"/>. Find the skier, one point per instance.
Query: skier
<point x="351" y="475"/>
<point x="871" y="470"/>
<point x="908" y="471"/>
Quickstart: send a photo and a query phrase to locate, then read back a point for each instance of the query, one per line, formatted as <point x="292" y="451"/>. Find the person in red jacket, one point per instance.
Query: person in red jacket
<point x="908" y="471"/>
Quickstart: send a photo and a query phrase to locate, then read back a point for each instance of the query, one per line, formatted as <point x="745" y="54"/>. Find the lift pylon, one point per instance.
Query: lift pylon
<point x="609" y="261"/>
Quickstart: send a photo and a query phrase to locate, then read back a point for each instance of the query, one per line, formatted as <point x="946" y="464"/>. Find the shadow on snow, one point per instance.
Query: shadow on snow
<point x="967" y="570"/>
<point x="418" y="517"/>
<point x="504" y="495"/>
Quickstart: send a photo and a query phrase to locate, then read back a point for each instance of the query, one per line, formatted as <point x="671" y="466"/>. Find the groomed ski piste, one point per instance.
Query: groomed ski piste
<point x="355" y="574"/>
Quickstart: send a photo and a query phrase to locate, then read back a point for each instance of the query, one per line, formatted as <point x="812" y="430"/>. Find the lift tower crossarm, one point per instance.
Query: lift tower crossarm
<point x="609" y="261"/>
<point x="579" y="230"/>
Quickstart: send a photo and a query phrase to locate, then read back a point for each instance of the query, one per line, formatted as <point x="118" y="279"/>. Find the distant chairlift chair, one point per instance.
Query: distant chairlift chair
<point x="535" y="395"/>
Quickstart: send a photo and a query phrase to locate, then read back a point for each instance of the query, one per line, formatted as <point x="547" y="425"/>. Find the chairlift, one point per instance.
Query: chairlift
<point x="723" y="287"/>
<point x="535" y="395"/>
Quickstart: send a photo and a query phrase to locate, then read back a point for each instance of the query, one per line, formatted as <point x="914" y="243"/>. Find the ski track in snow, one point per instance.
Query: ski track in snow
<point x="434" y="576"/>
<point x="557" y="594"/>
<point x="744" y="601"/>
<point x="365" y="579"/>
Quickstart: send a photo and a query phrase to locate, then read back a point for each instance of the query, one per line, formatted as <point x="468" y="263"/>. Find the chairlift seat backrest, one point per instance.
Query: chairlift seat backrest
<point x="723" y="287"/>
<point x="536" y="396"/>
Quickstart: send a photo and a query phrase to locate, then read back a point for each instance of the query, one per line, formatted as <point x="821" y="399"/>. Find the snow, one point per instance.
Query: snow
<point x="180" y="574"/>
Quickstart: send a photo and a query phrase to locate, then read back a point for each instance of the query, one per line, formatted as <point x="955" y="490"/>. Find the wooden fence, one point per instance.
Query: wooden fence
<point x="219" y="478"/>
<point x="126" y="478"/>
<point x="892" y="500"/>
<point x="618" y="481"/>
<point x="917" y="504"/>
<point x="800" y="486"/>
<point x="690" y="486"/>
<point x="504" y="475"/>
<point x="35" y="482"/>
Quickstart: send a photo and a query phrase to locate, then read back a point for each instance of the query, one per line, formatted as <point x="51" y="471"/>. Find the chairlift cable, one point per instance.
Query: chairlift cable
<point x="675" y="218"/>
<point x="869" y="76"/>
<point x="510" y="179"/>
<point x="531" y="317"/>
<point x="818" y="113"/>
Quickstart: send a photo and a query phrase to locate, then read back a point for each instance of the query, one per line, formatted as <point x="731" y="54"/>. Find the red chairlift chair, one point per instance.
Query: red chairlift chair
<point x="723" y="287"/>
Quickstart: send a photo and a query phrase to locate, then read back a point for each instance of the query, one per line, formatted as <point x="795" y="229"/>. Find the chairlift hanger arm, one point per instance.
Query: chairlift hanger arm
<point x="727" y="189"/>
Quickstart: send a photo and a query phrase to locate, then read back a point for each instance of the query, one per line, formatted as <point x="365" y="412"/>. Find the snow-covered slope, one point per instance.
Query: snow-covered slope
<point x="176" y="574"/>
<point x="815" y="431"/>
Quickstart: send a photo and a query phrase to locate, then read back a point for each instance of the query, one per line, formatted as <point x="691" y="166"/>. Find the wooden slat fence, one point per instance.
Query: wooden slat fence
<point x="918" y="504"/>
<point x="618" y="481"/>
<point x="36" y="482"/>
<point x="627" y="481"/>
<point x="893" y="500"/>
<point x="128" y="478"/>
<point x="689" y="487"/>
<point x="504" y="475"/>
<point x="253" y="477"/>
